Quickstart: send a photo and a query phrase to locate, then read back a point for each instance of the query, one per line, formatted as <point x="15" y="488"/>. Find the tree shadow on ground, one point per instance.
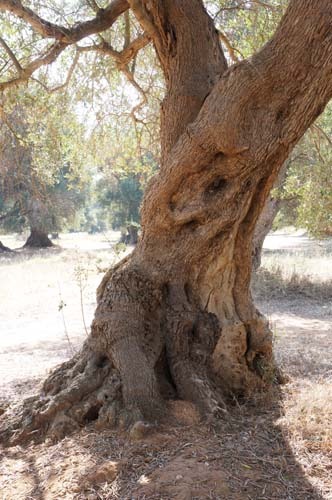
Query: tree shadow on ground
<point x="245" y="455"/>
<point x="21" y="254"/>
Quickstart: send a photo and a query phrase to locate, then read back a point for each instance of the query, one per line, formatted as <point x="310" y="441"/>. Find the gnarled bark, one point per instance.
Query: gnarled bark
<point x="176" y="317"/>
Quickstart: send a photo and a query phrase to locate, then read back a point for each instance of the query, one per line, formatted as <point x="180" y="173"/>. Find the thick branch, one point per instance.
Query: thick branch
<point x="64" y="36"/>
<point x="191" y="58"/>
<point x="104" y="20"/>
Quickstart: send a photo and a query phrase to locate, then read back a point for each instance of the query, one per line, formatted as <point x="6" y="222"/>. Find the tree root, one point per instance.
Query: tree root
<point x="77" y="392"/>
<point x="141" y="353"/>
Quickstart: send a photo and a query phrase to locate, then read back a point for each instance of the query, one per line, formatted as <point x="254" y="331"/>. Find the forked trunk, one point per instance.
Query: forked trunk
<point x="176" y="319"/>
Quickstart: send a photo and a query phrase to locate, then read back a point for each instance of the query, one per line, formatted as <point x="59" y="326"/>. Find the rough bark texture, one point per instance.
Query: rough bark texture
<point x="176" y="317"/>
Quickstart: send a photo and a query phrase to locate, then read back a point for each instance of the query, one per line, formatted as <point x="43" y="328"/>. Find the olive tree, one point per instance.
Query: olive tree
<point x="176" y="317"/>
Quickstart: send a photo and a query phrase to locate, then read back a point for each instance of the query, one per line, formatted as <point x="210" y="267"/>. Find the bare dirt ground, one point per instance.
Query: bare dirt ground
<point x="278" y="446"/>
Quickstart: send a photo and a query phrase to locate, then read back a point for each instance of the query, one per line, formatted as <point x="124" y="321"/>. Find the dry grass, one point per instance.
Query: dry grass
<point x="273" y="283"/>
<point x="308" y="415"/>
<point x="297" y="275"/>
<point x="307" y="426"/>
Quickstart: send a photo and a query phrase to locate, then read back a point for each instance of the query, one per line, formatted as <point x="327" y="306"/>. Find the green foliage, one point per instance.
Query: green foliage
<point x="122" y="198"/>
<point x="42" y="159"/>
<point x="307" y="193"/>
<point x="89" y="152"/>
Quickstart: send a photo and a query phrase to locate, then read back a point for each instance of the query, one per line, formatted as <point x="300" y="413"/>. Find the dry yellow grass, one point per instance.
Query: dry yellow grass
<point x="308" y="415"/>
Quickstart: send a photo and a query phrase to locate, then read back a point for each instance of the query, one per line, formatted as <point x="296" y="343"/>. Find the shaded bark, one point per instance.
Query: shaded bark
<point x="130" y="237"/>
<point x="176" y="317"/>
<point x="3" y="248"/>
<point x="38" y="215"/>
<point x="38" y="239"/>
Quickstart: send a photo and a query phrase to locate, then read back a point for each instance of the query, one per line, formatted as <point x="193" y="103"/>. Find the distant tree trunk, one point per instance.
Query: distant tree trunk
<point x="3" y="248"/>
<point x="266" y="218"/>
<point x="37" y="215"/>
<point x="38" y="239"/>
<point x="130" y="237"/>
<point x="176" y="318"/>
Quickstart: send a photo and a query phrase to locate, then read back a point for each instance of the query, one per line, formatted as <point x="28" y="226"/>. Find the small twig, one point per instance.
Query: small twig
<point x="69" y="75"/>
<point x="229" y="47"/>
<point x="60" y="308"/>
<point x="127" y="30"/>
<point x="78" y="273"/>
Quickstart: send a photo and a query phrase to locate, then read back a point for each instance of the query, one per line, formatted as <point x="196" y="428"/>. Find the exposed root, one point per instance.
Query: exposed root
<point x="143" y="350"/>
<point x="72" y="396"/>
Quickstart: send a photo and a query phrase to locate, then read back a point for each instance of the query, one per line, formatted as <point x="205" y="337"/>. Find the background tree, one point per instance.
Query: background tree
<point x="41" y="164"/>
<point x="306" y="198"/>
<point x="125" y="167"/>
<point x="176" y="317"/>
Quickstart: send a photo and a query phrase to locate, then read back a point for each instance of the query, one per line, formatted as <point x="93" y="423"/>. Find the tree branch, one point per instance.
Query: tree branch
<point x="25" y="73"/>
<point x="258" y="110"/>
<point x="125" y="56"/>
<point x="142" y="16"/>
<point x="11" y="54"/>
<point x="69" y="74"/>
<point x="63" y="36"/>
<point x="104" y="19"/>
<point x="40" y="25"/>
<point x="229" y="47"/>
<point x="122" y="60"/>
<point x="127" y="30"/>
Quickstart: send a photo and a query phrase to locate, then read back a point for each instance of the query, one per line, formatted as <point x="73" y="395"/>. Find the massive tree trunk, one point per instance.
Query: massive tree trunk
<point x="176" y="317"/>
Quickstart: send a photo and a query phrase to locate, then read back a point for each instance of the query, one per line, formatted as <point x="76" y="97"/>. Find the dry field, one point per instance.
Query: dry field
<point x="278" y="446"/>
